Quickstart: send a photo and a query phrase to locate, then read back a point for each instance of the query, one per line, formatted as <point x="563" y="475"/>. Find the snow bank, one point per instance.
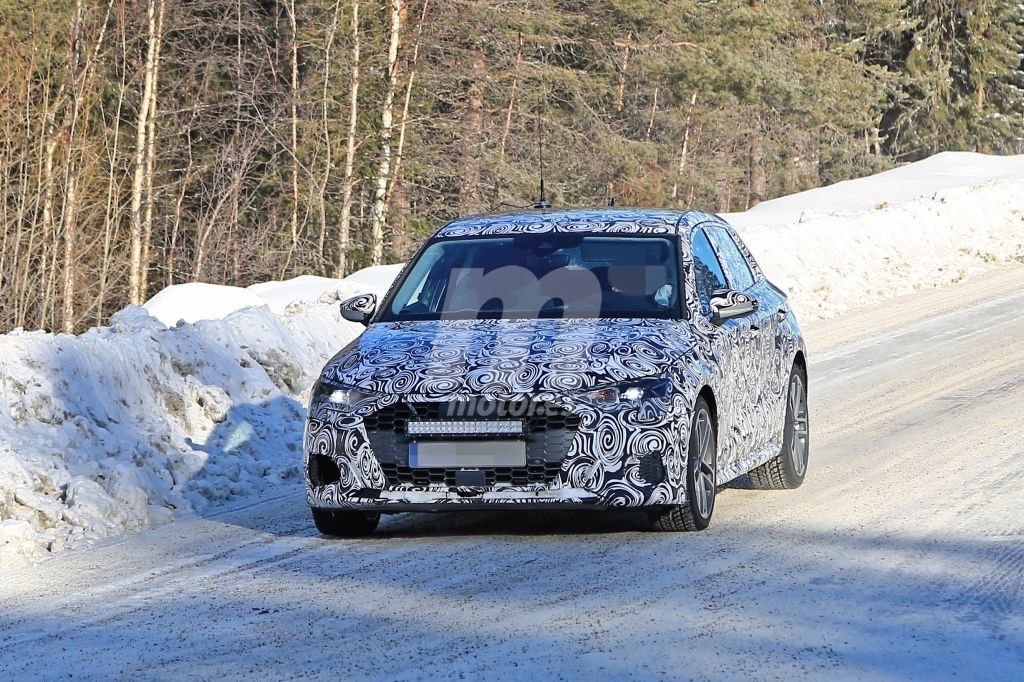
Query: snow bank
<point x="923" y="225"/>
<point x="199" y="301"/>
<point x="124" y="426"/>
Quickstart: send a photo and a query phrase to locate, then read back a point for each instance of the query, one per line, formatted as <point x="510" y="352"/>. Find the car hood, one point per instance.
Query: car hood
<point x="507" y="357"/>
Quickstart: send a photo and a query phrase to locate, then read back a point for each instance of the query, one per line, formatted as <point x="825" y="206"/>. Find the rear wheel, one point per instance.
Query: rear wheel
<point x="344" y="523"/>
<point x="788" y="468"/>
<point x="701" y="478"/>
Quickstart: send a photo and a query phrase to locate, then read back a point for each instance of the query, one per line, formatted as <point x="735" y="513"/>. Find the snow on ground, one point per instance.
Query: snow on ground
<point x="197" y="301"/>
<point x="123" y="427"/>
<point x="200" y="301"/>
<point x="926" y="224"/>
<point x="900" y="558"/>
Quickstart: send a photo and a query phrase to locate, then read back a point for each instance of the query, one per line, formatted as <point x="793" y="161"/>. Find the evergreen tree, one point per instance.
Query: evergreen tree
<point x="962" y="63"/>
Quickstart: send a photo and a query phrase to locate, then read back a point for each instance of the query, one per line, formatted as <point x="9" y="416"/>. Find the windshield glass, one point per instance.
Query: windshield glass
<point x="535" y="276"/>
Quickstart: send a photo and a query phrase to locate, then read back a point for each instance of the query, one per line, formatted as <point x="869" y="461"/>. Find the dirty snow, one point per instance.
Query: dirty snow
<point x="121" y="427"/>
<point x="128" y="426"/>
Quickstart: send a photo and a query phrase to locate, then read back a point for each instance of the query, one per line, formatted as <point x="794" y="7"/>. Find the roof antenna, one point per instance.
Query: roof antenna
<point x="611" y="196"/>
<point x="542" y="203"/>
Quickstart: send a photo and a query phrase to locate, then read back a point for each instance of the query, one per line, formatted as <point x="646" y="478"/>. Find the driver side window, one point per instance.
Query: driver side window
<point x="707" y="271"/>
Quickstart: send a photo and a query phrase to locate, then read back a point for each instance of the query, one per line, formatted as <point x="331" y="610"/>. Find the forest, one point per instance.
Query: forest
<point x="145" y="143"/>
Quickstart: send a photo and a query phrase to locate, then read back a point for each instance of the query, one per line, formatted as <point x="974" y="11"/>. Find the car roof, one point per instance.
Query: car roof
<point x="610" y="221"/>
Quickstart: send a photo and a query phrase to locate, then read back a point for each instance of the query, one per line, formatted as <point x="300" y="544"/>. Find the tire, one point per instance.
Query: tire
<point x="701" y="478"/>
<point x="787" y="470"/>
<point x="344" y="523"/>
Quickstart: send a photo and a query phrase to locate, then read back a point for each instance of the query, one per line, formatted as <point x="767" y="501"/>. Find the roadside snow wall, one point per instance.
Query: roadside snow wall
<point x="855" y="243"/>
<point x="121" y="427"/>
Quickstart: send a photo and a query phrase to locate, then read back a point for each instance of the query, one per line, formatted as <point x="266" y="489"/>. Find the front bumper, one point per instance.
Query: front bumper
<point x="624" y="458"/>
<point x="453" y="499"/>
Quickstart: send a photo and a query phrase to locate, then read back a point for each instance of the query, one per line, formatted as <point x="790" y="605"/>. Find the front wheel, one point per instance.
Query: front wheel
<point x="344" y="523"/>
<point x="787" y="469"/>
<point x="701" y="478"/>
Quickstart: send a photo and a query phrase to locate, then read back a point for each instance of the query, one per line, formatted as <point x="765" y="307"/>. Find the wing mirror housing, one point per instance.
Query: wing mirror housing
<point x="359" y="308"/>
<point x="727" y="304"/>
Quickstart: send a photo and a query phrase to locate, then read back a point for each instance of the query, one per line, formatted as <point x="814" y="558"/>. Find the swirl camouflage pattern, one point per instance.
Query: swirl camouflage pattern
<point x="630" y="452"/>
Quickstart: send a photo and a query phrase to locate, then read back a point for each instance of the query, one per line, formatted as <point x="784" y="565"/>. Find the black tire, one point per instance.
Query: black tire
<point x="344" y="523"/>
<point x="691" y="516"/>
<point x="785" y="471"/>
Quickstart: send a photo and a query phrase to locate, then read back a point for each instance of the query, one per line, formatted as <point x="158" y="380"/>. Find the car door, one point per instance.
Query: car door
<point x="760" y="371"/>
<point x="731" y="348"/>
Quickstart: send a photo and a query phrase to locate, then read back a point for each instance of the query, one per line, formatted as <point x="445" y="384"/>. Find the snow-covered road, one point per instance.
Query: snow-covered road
<point x="902" y="555"/>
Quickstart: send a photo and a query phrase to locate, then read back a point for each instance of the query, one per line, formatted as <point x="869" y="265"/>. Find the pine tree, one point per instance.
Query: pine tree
<point x="962" y="64"/>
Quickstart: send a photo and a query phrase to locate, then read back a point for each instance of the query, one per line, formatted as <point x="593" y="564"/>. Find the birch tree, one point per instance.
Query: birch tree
<point x="154" y="8"/>
<point x="345" y="222"/>
<point x="378" y="217"/>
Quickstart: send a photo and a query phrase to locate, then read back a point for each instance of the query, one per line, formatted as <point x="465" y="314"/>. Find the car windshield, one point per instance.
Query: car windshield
<point x="534" y="276"/>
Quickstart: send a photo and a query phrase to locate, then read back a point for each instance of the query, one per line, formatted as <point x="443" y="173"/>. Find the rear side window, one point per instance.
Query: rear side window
<point x="736" y="267"/>
<point x="707" y="271"/>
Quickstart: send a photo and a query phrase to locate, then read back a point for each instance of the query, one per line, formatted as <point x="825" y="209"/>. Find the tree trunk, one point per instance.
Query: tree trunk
<point x="70" y="240"/>
<point x="147" y="236"/>
<point x="682" y="156"/>
<point x="325" y="122"/>
<point x="294" y="218"/>
<point x="654" y="110"/>
<point x="70" y="210"/>
<point x="108" y="214"/>
<point x="620" y="91"/>
<point x="696" y="145"/>
<point x="470" y="195"/>
<point x="344" y="224"/>
<point x="511" y="105"/>
<point x="172" y="247"/>
<point x="47" y="214"/>
<point x="758" y="182"/>
<point x="135" y="292"/>
<point x="405" y="108"/>
<point x="378" y="217"/>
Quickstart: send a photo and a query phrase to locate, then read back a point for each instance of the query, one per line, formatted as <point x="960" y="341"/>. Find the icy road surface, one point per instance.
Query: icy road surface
<point x="903" y="554"/>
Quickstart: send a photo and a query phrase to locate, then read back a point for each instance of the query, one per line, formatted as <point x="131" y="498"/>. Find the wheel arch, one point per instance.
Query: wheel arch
<point x="800" y="361"/>
<point x="709" y="397"/>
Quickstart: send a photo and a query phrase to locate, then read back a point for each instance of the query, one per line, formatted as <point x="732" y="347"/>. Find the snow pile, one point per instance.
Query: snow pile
<point x="923" y="225"/>
<point x="120" y="427"/>
<point x="199" y="301"/>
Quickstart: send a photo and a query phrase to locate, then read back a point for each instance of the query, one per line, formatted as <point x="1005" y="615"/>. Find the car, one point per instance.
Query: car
<point x="597" y="359"/>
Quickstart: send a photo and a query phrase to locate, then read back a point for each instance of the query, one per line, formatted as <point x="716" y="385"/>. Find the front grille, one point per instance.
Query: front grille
<point x="539" y="417"/>
<point x="549" y="430"/>
<point x="539" y="473"/>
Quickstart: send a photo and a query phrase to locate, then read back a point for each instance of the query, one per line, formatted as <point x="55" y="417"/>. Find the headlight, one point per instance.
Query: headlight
<point x="628" y="393"/>
<point x="336" y="394"/>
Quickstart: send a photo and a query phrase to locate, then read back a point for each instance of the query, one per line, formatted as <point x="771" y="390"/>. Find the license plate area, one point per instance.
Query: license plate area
<point x="461" y="454"/>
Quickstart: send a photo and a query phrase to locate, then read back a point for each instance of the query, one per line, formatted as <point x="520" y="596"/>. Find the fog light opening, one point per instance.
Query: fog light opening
<point x="323" y="470"/>
<point x="652" y="468"/>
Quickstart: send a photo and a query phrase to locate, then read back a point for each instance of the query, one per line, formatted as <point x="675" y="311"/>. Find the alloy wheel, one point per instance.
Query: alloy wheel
<point x="798" y="428"/>
<point x="704" y="465"/>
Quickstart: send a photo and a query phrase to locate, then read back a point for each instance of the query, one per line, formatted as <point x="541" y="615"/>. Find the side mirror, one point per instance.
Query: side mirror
<point x="359" y="309"/>
<point x="727" y="304"/>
